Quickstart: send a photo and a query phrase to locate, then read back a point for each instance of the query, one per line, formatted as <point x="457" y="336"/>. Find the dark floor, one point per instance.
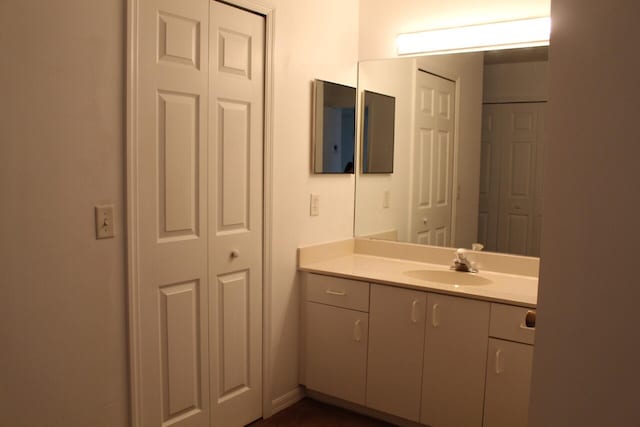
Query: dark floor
<point x="310" y="413"/>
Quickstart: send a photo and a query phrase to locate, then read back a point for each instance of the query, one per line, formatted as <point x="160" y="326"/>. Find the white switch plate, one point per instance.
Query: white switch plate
<point x="314" y="208"/>
<point x="386" y="202"/>
<point x="104" y="222"/>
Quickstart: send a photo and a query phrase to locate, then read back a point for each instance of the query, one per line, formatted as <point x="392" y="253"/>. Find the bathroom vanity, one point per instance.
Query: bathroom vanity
<point x="388" y="327"/>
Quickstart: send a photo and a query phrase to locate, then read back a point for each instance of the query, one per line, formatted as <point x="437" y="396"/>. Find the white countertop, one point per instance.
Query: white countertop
<point x="504" y="288"/>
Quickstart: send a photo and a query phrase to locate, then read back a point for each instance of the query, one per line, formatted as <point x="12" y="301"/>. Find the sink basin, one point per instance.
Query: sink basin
<point x="448" y="277"/>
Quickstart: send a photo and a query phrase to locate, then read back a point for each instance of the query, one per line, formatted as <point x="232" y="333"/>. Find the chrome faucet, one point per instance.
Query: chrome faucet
<point x="462" y="263"/>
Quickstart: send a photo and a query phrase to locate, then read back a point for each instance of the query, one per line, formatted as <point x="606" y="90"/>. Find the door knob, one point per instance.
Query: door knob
<point x="235" y="253"/>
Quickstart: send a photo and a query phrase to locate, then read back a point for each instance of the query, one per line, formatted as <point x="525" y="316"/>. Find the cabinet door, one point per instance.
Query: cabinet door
<point x="454" y="361"/>
<point x="396" y="346"/>
<point x="336" y="351"/>
<point x="508" y="384"/>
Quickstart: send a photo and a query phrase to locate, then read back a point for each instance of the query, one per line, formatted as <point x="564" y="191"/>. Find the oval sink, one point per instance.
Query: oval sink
<point x="448" y="277"/>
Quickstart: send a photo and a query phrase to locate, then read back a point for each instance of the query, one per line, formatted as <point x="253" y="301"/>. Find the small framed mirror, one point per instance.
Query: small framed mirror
<point x="334" y="127"/>
<point x="378" y="132"/>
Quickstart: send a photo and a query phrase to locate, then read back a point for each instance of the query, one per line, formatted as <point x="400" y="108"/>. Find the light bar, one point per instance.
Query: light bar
<point x="494" y="36"/>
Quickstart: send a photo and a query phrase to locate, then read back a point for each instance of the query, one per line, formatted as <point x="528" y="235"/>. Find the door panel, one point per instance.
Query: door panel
<point x="173" y="290"/>
<point x="235" y="200"/>
<point x="455" y="357"/>
<point x="508" y="384"/>
<point x="396" y="345"/>
<point x="431" y="199"/>
<point x="180" y="318"/>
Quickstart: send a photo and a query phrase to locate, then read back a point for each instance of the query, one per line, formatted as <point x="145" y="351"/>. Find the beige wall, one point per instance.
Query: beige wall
<point x="62" y="293"/>
<point x="586" y="363"/>
<point x="381" y="21"/>
<point x="313" y="40"/>
<point x="521" y="81"/>
<point x="394" y="78"/>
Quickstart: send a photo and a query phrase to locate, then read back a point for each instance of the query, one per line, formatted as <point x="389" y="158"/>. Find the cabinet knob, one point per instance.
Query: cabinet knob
<point x="357" y="331"/>
<point x="235" y="253"/>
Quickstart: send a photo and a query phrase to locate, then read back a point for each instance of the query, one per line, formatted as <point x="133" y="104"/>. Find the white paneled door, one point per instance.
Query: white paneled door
<point x="431" y="201"/>
<point x="200" y="126"/>
<point x="236" y="102"/>
<point x="511" y="195"/>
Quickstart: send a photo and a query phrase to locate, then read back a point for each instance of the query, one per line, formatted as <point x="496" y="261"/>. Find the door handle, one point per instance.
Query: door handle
<point x="414" y="311"/>
<point x="499" y="367"/>
<point x="435" y="315"/>
<point x="357" y="331"/>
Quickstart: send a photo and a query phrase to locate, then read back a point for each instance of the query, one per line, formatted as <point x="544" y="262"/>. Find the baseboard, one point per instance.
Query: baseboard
<point x="286" y="400"/>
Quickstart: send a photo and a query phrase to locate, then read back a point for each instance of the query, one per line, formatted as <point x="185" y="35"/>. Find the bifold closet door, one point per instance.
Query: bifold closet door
<point x="173" y="168"/>
<point x="236" y="40"/>
<point x="200" y="118"/>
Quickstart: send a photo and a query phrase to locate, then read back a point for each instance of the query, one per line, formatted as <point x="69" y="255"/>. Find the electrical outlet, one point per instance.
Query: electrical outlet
<point x="314" y="208"/>
<point x="104" y="222"/>
<point x="386" y="202"/>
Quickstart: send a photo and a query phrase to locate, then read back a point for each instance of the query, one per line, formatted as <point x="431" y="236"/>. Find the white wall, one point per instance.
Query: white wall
<point x="394" y="78"/>
<point x="313" y="40"/>
<point x="586" y="370"/>
<point x="62" y="293"/>
<point x="512" y="82"/>
<point x="381" y="20"/>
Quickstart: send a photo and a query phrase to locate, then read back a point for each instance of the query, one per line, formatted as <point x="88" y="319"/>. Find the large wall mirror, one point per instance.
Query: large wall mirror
<point x="469" y="137"/>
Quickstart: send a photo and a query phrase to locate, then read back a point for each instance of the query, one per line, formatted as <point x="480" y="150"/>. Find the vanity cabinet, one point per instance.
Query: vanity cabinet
<point x="439" y="360"/>
<point x="396" y="346"/>
<point x="509" y="364"/>
<point x="455" y="358"/>
<point x="336" y="337"/>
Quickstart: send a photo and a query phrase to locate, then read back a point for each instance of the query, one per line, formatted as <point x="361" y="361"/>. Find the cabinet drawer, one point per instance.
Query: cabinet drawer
<point x="510" y="323"/>
<point x="338" y="292"/>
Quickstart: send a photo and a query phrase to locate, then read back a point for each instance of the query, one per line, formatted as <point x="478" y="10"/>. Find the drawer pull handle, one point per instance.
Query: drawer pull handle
<point x="499" y="368"/>
<point x="435" y="316"/>
<point x="357" y="331"/>
<point x="338" y="293"/>
<point x="414" y="311"/>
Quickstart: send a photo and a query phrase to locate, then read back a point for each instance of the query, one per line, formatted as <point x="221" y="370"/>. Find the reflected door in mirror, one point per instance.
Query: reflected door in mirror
<point x="511" y="195"/>
<point x="433" y="160"/>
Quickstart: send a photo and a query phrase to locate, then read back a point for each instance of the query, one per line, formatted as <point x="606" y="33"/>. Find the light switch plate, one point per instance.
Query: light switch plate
<point x="386" y="202"/>
<point x="104" y="222"/>
<point x="314" y="208"/>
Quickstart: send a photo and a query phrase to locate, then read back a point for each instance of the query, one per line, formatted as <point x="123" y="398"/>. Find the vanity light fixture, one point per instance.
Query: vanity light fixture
<point x="493" y="36"/>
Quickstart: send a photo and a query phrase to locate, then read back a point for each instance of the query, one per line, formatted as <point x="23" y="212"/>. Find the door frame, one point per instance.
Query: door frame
<point x="133" y="201"/>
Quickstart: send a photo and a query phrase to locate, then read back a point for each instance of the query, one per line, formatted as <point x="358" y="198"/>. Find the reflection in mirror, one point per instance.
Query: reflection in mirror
<point x="334" y="119"/>
<point x="378" y="133"/>
<point x="469" y="137"/>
